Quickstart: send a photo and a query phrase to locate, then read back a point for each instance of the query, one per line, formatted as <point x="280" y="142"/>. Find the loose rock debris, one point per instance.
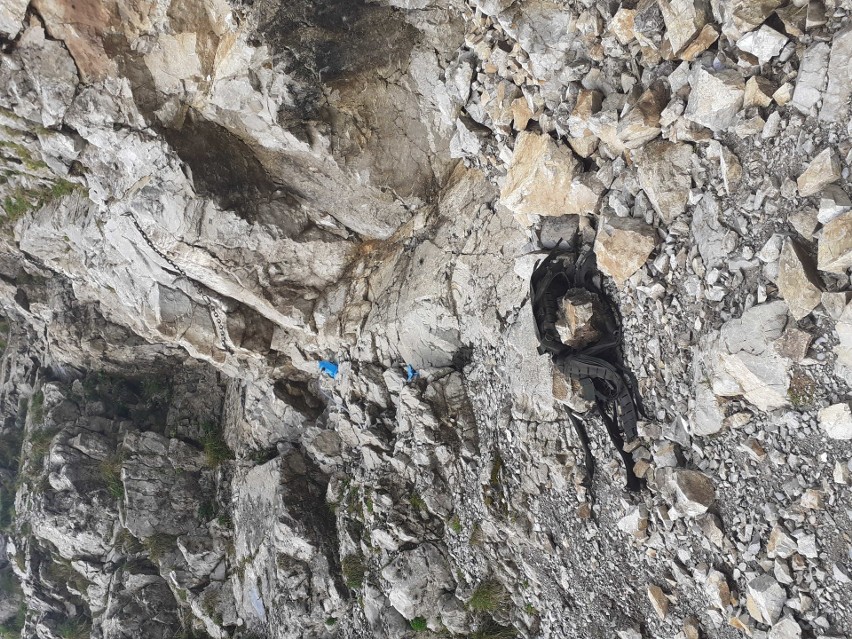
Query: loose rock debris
<point x="378" y="180"/>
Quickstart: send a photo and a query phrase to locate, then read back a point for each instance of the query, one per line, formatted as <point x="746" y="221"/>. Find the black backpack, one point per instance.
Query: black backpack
<point x="597" y="366"/>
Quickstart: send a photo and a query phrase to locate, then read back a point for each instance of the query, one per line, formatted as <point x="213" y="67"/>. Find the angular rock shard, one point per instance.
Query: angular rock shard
<point x="798" y="282"/>
<point x="664" y="171"/>
<point x="546" y="179"/>
<point x="834" y="251"/>
<point x="715" y="99"/>
<point x="622" y="245"/>
<point x="822" y="171"/>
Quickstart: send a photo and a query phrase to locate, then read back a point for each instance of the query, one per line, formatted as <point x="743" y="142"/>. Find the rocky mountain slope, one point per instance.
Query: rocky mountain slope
<point x="203" y="199"/>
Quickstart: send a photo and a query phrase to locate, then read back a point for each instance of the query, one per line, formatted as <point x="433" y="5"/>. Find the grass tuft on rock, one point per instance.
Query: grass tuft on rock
<point x="418" y="624"/>
<point x="216" y="451"/>
<point x="159" y="544"/>
<point x="110" y="470"/>
<point x="353" y="571"/>
<point x="488" y="596"/>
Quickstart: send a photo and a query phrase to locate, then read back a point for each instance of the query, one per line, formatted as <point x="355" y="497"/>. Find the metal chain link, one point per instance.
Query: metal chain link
<point x="214" y="312"/>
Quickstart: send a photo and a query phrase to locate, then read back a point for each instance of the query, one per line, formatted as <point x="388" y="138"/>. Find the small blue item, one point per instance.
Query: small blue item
<point x="329" y="368"/>
<point x="410" y="373"/>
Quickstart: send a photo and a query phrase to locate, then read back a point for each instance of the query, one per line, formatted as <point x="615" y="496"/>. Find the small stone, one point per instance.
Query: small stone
<point x="690" y="491"/>
<point x="805" y="222"/>
<point x="765" y="599"/>
<point x="635" y="522"/>
<point x="798" y="282"/>
<point x="836" y="421"/>
<point x="684" y="19"/>
<point x="622" y="246"/>
<point x="706" y="37"/>
<point x="642" y="122"/>
<point x="711" y="528"/>
<point x="787" y="628"/>
<point x="834" y="251"/>
<point x="691" y="629"/>
<point x="579" y="314"/>
<point x="658" y="600"/>
<point x="793" y="344"/>
<point x="812" y="499"/>
<point x="764" y="44"/>
<point x="521" y="114"/>
<point x="754" y="449"/>
<point x="780" y="544"/>
<point x="717" y="590"/>
<point x="715" y="99"/>
<point x="582" y="140"/>
<point x="621" y="25"/>
<point x="841" y="473"/>
<point x="833" y="202"/>
<point x="740" y="624"/>
<point x="665" y="174"/>
<point x="758" y="92"/>
<point x="546" y="179"/>
<point x="784" y="94"/>
<point x="822" y="171"/>
<point x="807" y="546"/>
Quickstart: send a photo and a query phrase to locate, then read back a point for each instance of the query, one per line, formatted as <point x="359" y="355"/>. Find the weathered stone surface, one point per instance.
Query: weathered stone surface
<point x="579" y="317"/>
<point x="834" y="251"/>
<point x="822" y="171"/>
<point x="715" y="99"/>
<point x="642" y="122"/>
<point x="690" y="492"/>
<point x="836" y="421"/>
<point x="546" y="179"/>
<point x="11" y="16"/>
<point x="798" y="282"/>
<point x="810" y="82"/>
<point x="664" y="173"/>
<point x="622" y="246"/>
<point x="684" y="19"/>
<point x="417" y="578"/>
<point x="835" y="103"/>
<point x="786" y="628"/>
<point x="658" y="600"/>
<point x="744" y="361"/>
<point x="765" y="599"/>
<point x="764" y="44"/>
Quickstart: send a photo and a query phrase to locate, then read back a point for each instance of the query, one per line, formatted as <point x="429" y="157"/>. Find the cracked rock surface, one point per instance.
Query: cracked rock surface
<point x="204" y="199"/>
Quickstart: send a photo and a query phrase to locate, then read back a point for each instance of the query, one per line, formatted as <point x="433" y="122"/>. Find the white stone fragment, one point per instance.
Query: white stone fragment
<point x="836" y="421"/>
<point x="764" y="44"/>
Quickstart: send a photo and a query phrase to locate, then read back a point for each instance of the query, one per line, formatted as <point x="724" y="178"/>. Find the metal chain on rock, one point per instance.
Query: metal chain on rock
<point x="214" y="312"/>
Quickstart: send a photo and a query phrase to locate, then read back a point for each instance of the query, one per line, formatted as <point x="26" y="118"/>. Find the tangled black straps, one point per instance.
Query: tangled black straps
<point x="595" y="365"/>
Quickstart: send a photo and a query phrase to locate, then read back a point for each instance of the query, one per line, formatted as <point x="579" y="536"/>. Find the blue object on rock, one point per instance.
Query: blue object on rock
<point x="410" y="373"/>
<point x="328" y="367"/>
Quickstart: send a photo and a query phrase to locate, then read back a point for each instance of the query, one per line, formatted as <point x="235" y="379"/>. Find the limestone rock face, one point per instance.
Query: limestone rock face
<point x="268" y="362"/>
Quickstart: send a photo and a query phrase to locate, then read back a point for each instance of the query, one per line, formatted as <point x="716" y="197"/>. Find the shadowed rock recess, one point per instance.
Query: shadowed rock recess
<point x="204" y="199"/>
